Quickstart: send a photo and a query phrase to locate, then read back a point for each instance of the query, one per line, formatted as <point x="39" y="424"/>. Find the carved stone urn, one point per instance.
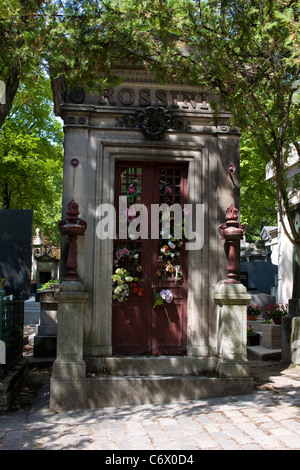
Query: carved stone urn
<point x="232" y="232"/>
<point x="72" y="227"/>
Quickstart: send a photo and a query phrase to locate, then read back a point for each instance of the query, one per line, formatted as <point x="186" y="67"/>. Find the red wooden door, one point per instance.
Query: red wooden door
<point x="150" y="274"/>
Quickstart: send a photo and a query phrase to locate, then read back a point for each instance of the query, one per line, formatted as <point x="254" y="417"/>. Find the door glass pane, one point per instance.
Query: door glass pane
<point x="170" y="247"/>
<point x="127" y="252"/>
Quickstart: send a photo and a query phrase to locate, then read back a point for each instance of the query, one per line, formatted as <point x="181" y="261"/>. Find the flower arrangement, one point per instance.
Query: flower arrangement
<point x="250" y="331"/>
<point x="171" y="249"/>
<point x="253" y="338"/>
<point x="276" y="310"/>
<point x="136" y="289"/>
<point x="161" y="298"/>
<point x="133" y="188"/>
<point x="122" y="254"/>
<point x="254" y="310"/>
<point x="123" y="285"/>
<point x="169" y="257"/>
<point x="164" y="296"/>
<point x="165" y="187"/>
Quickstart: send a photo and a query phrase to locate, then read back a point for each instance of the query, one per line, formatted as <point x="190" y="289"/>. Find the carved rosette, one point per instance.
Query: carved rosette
<point x="154" y="121"/>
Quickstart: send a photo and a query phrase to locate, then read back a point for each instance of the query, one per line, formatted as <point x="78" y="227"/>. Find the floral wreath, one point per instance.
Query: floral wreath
<point x="123" y="283"/>
<point x="168" y="265"/>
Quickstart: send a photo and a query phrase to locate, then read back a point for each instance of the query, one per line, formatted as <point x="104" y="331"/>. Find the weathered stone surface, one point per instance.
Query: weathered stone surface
<point x="271" y="336"/>
<point x="69" y="394"/>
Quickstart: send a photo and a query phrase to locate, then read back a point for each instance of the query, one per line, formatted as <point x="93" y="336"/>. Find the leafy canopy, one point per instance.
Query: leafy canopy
<point x="31" y="157"/>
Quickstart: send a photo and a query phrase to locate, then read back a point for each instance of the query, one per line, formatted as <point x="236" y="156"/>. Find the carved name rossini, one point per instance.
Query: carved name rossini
<point x="145" y="97"/>
<point x="152" y="109"/>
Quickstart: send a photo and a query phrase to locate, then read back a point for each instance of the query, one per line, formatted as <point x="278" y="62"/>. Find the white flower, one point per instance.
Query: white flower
<point x="166" y="295"/>
<point x="172" y="245"/>
<point x="128" y="279"/>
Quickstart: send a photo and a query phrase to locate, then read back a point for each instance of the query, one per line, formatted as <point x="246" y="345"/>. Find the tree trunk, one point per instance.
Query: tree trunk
<point x="6" y="196"/>
<point x="296" y="283"/>
<point x="12" y="86"/>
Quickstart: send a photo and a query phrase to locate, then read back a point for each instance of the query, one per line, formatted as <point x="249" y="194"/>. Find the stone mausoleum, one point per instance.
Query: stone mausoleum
<point x="143" y="315"/>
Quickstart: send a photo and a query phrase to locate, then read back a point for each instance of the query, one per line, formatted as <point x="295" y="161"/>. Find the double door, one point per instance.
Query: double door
<point x="149" y="313"/>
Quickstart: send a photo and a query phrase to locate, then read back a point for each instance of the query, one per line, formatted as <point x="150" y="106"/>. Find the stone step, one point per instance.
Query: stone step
<point x="100" y="392"/>
<point x="263" y="354"/>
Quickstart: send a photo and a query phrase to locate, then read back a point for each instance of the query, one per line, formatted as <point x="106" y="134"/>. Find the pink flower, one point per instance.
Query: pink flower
<point x="131" y="189"/>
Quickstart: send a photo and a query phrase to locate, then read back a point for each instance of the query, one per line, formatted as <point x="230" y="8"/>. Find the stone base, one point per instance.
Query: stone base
<point x="101" y="392"/>
<point x="233" y="368"/>
<point x="259" y="353"/>
<point x="158" y="365"/>
<point x="11" y="383"/>
<point x="44" y="346"/>
<point x="71" y="368"/>
<point x="295" y="341"/>
<point x="271" y="336"/>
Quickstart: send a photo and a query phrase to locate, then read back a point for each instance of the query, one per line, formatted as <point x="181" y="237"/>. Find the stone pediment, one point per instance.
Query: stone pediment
<point x="137" y="90"/>
<point x="46" y="257"/>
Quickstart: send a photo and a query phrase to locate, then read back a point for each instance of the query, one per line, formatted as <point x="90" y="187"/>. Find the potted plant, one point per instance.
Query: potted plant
<point x="275" y="312"/>
<point x="253" y="311"/>
<point x="253" y="338"/>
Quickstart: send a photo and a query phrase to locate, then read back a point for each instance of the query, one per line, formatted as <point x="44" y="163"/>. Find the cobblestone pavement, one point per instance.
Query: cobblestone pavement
<point x="267" y="420"/>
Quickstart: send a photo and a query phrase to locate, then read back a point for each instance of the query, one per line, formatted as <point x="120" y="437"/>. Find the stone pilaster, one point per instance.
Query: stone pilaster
<point x="287" y="350"/>
<point x="232" y="300"/>
<point x="71" y="304"/>
<point x="295" y="340"/>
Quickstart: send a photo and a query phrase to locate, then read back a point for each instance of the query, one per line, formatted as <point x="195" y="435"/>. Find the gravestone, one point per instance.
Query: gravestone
<point x="15" y="250"/>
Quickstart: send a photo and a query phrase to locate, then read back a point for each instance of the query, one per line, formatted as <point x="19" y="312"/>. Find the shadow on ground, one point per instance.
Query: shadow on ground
<point x="275" y="376"/>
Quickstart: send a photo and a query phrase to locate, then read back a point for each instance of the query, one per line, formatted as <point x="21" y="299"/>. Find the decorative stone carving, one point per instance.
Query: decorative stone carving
<point x="77" y="95"/>
<point x="154" y="121"/>
<point x="232" y="231"/>
<point x="72" y="227"/>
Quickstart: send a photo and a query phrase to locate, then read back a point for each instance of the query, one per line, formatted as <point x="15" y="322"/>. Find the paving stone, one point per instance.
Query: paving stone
<point x="256" y="422"/>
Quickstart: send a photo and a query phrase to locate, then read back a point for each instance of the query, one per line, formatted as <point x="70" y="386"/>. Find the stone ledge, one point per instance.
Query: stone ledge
<point x="11" y="383"/>
<point x="93" y="393"/>
<point x="153" y="365"/>
<point x="263" y="354"/>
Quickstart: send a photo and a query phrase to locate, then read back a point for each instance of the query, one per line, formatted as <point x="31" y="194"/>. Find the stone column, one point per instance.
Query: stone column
<point x="232" y="300"/>
<point x="286" y="322"/>
<point x="295" y="341"/>
<point x="71" y="305"/>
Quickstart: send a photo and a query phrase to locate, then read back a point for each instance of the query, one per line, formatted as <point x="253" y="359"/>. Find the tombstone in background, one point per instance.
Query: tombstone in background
<point x="47" y="268"/>
<point x="15" y="250"/>
<point x="258" y="274"/>
<point x="46" y="331"/>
